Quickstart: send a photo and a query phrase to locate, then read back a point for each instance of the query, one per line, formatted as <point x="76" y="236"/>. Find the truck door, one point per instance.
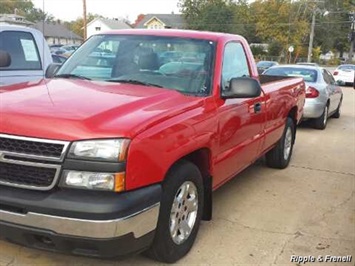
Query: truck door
<point x="240" y="121"/>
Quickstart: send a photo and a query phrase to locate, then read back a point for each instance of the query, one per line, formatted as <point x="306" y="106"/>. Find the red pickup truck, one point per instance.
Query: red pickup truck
<point x="119" y="151"/>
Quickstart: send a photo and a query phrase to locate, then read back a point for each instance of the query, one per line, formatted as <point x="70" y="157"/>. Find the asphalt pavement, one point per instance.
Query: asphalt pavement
<point x="267" y="216"/>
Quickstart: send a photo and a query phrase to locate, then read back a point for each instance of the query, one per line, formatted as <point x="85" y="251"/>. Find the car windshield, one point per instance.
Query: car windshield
<point x="309" y="75"/>
<point x="347" y="67"/>
<point x="174" y="63"/>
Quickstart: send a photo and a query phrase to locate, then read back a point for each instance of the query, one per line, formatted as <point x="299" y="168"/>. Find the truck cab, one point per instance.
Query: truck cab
<point x="29" y="53"/>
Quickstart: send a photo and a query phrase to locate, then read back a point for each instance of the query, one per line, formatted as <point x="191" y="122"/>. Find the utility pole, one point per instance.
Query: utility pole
<point x="352" y="37"/>
<point x="311" y="36"/>
<point x="84" y="19"/>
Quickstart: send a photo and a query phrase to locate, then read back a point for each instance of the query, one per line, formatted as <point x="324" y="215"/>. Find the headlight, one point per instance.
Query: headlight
<point x="114" y="150"/>
<point x="94" y="181"/>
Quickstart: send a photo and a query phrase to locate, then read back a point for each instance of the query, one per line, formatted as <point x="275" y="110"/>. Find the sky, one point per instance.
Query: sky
<point x="72" y="9"/>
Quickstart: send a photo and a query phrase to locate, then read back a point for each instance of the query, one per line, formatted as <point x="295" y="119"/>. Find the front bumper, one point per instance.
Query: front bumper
<point x="99" y="225"/>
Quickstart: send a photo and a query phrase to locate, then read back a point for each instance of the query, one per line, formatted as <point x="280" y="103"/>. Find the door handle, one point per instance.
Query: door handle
<point x="257" y="107"/>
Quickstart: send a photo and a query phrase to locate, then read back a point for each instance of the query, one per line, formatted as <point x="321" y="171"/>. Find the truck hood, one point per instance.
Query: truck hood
<point x="66" y="109"/>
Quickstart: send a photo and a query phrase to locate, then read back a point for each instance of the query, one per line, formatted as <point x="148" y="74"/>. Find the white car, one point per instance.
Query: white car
<point x="344" y="74"/>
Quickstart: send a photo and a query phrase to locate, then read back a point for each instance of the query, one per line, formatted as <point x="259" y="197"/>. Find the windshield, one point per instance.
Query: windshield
<point x="309" y="75"/>
<point x="173" y="63"/>
<point x="347" y="67"/>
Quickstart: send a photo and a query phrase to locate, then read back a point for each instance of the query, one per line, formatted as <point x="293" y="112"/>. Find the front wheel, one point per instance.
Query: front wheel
<point x="280" y="155"/>
<point x="180" y="213"/>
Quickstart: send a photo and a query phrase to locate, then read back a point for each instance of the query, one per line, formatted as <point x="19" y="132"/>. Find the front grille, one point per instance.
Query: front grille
<point x="30" y="163"/>
<point x="24" y="175"/>
<point x="29" y="147"/>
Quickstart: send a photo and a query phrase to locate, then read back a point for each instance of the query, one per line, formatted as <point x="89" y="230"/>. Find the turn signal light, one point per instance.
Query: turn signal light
<point x="335" y="73"/>
<point x="312" y="92"/>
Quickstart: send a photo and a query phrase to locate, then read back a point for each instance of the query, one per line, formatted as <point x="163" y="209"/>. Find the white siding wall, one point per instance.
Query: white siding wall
<point x="51" y="40"/>
<point x="96" y="27"/>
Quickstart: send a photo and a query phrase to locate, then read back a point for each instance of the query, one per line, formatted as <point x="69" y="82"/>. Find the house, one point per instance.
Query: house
<point x="57" y="33"/>
<point x="327" y="56"/>
<point x="102" y="24"/>
<point x="162" y="21"/>
<point x="14" y="19"/>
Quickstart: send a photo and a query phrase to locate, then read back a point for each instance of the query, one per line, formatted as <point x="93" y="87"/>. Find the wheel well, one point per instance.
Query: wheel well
<point x="293" y="115"/>
<point x="201" y="158"/>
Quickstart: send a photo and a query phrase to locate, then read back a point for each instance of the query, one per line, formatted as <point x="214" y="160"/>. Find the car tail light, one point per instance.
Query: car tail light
<point x="335" y="73"/>
<point x="312" y="92"/>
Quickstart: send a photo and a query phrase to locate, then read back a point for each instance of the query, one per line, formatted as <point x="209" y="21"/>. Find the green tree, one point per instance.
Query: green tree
<point x="244" y="21"/>
<point x="333" y="25"/>
<point x="210" y="15"/>
<point x="280" y="22"/>
<point x="24" y="8"/>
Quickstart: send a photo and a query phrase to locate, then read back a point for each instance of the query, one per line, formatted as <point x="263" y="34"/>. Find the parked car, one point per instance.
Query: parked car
<point x="323" y="95"/>
<point x="29" y="53"/>
<point x="345" y="74"/>
<point x="307" y="64"/>
<point x="54" y="47"/>
<point x="66" y="50"/>
<point x="58" y="59"/>
<point x="116" y="158"/>
<point x="263" y="65"/>
<point x="170" y="56"/>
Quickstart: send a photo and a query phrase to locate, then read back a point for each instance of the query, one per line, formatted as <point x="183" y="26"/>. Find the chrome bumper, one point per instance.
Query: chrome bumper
<point x="139" y="224"/>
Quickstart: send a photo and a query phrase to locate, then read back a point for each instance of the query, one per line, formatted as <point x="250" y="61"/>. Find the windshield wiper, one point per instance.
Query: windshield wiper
<point x="133" y="81"/>
<point x="68" y="76"/>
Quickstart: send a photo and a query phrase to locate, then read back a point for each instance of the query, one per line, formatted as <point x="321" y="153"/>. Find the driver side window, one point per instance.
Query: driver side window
<point x="235" y="64"/>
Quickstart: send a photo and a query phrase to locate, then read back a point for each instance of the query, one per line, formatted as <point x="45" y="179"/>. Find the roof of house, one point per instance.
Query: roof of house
<point x="55" y="29"/>
<point x="170" y="20"/>
<point x="113" y="24"/>
<point x="14" y="19"/>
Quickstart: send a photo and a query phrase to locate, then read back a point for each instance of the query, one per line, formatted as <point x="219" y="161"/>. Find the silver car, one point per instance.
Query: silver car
<point x="323" y="95"/>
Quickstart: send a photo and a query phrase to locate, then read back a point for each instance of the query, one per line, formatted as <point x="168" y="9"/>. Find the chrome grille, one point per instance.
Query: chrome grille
<point x="29" y="162"/>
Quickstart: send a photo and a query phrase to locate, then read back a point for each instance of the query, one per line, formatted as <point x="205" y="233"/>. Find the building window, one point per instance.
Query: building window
<point x="97" y="28"/>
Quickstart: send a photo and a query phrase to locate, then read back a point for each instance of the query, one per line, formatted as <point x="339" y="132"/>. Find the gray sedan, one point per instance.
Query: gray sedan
<point x="323" y="95"/>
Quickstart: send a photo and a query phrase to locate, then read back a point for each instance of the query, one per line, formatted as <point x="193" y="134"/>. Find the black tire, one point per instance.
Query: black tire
<point x="321" y="122"/>
<point x="338" y="112"/>
<point x="164" y="248"/>
<point x="277" y="157"/>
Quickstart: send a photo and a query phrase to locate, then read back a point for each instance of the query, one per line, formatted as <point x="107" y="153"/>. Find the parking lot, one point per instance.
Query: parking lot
<point x="265" y="215"/>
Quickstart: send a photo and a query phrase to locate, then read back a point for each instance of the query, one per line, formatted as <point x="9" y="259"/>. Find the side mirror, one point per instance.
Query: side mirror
<point x="243" y="87"/>
<point x="5" y="59"/>
<point x="52" y="70"/>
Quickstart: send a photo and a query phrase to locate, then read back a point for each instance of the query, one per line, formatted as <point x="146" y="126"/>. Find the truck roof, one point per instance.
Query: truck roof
<point x="207" y="35"/>
<point x="17" y="28"/>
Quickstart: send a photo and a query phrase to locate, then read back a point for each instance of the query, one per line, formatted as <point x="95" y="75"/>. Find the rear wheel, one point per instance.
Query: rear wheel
<point x="280" y="155"/>
<point x="337" y="112"/>
<point x="321" y="122"/>
<point x="180" y="213"/>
